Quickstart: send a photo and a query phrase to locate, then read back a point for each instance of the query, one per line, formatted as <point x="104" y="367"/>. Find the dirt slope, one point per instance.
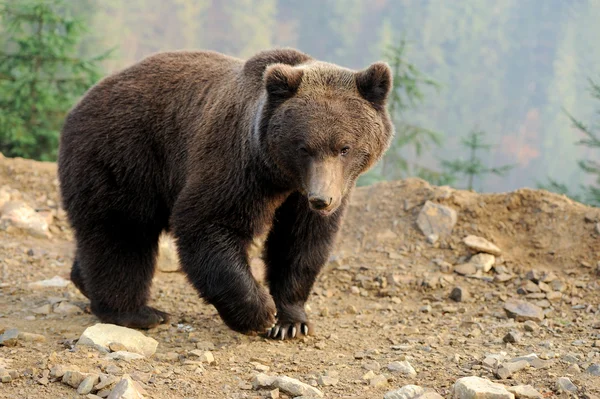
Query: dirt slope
<point x="383" y="298"/>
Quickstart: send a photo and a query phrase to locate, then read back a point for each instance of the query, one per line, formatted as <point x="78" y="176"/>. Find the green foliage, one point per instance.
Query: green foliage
<point x="406" y="94"/>
<point x="590" y="194"/>
<point x="41" y="75"/>
<point x="473" y="167"/>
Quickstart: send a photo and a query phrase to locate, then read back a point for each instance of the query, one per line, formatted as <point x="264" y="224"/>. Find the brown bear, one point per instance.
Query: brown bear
<point x="216" y="150"/>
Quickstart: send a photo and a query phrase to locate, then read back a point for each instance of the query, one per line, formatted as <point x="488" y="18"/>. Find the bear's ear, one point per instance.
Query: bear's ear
<point x="282" y="81"/>
<point x="375" y="83"/>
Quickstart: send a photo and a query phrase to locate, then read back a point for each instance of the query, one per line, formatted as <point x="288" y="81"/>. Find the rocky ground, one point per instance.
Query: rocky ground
<point x="430" y="292"/>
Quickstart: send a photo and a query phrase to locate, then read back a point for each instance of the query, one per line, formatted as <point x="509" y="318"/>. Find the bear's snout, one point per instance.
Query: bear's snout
<point x="319" y="202"/>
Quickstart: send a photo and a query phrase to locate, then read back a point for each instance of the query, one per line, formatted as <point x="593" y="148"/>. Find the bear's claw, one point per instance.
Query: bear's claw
<point x="288" y="331"/>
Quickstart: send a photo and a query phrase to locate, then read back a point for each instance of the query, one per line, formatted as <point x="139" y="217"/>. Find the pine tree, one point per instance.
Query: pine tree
<point x="41" y="75"/>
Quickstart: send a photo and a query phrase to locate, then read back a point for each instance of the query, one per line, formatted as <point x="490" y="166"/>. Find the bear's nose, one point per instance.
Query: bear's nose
<point x="318" y="202"/>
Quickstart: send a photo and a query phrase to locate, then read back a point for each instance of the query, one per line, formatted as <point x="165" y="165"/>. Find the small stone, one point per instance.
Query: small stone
<point x="206" y="357"/>
<point x="553" y="296"/>
<point x="404" y="368"/>
<point x="593" y="369"/>
<point x="43" y="310"/>
<point x="533" y="275"/>
<point x="459" y="294"/>
<point x="482" y="245"/>
<point x="205" y="346"/>
<point x="262" y="380"/>
<point x="479" y="388"/>
<point x="59" y="370"/>
<point x="436" y="219"/>
<point x="124" y="355"/>
<point x="378" y="381"/>
<point x="351" y="309"/>
<point x="73" y="378"/>
<point x="544" y="287"/>
<point x="513" y="337"/>
<point x="530" y="326"/>
<point x="294" y="387"/>
<point x="573" y="369"/>
<point x="368" y="375"/>
<point x="373" y="365"/>
<point x="483" y="262"/>
<point x="274" y="394"/>
<point x="406" y="392"/>
<point x="126" y="389"/>
<point x="9" y="337"/>
<point x="465" y="269"/>
<point x="101" y="335"/>
<point x="528" y="287"/>
<point x="54" y="282"/>
<point x="17" y="214"/>
<point x="326" y="381"/>
<point x="524" y="392"/>
<point x="30" y="337"/>
<point x="106" y="382"/>
<point x="533" y="360"/>
<point x="509" y="368"/>
<point x="563" y="384"/>
<point x="87" y="384"/>
<point x="67" y="308"/>
<point x="558" y="286"/>
<point x="523" y="311"/>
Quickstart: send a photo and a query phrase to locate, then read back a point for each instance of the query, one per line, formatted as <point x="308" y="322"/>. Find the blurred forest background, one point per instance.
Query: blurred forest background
<point x="489" y="95"/>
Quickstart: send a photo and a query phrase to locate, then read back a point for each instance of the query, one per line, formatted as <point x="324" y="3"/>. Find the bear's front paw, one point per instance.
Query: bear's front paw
<point x="254" y="315"/>
<point x="291" y="323"/>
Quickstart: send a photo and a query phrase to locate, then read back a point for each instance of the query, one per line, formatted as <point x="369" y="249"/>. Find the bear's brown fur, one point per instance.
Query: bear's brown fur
<point x="216" y="150"/>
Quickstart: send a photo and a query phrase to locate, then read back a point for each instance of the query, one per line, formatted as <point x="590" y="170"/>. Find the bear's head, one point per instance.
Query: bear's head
<point x="321" y="126"/>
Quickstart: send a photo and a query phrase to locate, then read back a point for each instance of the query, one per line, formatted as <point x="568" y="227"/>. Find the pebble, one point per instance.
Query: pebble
<point x="479" y="388"/>
<point x="465" y="269"/>
<point x="368" y="375"/>
<point x="459" y="294"/>
<point x="404" y="368"/>
<point x="509" y="368"/>
<point x="43" y="310"/>
<point x="106" y="382"/>
<point x="73" y="378"/>
<point x="513" y="337"/>
<point x="436" y="219"/>
<point x="290" y="386"/>
<point x="524" y="392"/>
<point x="87" y="384"/>
<point x="528" y="287"/>
<point x="593" y="369"/>
<point x="9" y="337"/>
<point x="372" y="365"/>
<point x="54" y="282"/>
<point x="523" y="311"/>
<point x="530" y="326"/>
<point x="573" y="369"/>
<point x="483" y="262"/>
<point x="553" y="296"/>
<point x="326" y="380"/>
<point x="101" y="335"/>
<point x="533" y="360"/>
<point x="482" y="245"/>
<point x="564" y="384"/>
<point x="124" y="355"/>
<point x="406" y="392"/>
<point x="67" y="308"/>
<point x="378" y="381"/>
<point x="126" y="389"/>
<point x="204" y="356"/>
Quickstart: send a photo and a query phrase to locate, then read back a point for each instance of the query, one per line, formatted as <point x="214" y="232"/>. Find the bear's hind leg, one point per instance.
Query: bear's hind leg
<point x="115" y="265"/>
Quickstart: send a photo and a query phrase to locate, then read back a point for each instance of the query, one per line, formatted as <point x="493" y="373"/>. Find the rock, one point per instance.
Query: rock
<point x="203" y="356"/>
<point x="126" y="389"/>
<point x="73" y="378"/>
<point x="563" y="384"/>
<point x="436" y="219"/>
<point x="5" y="376"/>
<point x="106" y="382"/>
<point x="528" y="287"/>
<point x="482" y="245"/>
<point x="404" y="368"/>
<point x="9" y="337"/>
<point x="573" y="369"/>
<point x="406" y="392"/>
<point x="262" y="380"/>
<point x="533" y="275"/>
<point x="43" y="310"/>
<point x="101" y="335"/>
<point x="67" y="308"/>
<point x="509" y="368"/>
<point x="378" y="381"/>
<point x="293" y="387"/>
<point x="124" y="355"/>
<point x="530" y="326"/>
<point x="54" y="282"/>
<point x="431" y="395"/>
<point x="168" y="259"/>
<point x="368" y="375"/>
<point x="523" y="311"/>
<point x="465" y="269"/>
<point x="59" y="370"/>
<point x="23" y="217"/>
<point x="524" y="392"/>
<point x="459" y="294"/>
<point x="371" y="365"/>
<point x="553" y="296"/>
<point x="533" y="360"/>
<point x="30" y="337"/>
<point x="87" y="384"/>
<point x="513" y="337"/>
<point x="479" y="388"/>
<point x="326" y="380"/>
<point x="483" y="262"/>
<point x="593" y="369"/>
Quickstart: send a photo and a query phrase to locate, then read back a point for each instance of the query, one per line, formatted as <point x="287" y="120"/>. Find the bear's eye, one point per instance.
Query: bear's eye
<point x="304" y="151"/>
<point x="344" y="151"/>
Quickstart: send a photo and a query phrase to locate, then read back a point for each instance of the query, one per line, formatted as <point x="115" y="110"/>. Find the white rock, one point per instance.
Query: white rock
<point x="403" y="367"/>
<point x="290" y="386"/>
<point x="480" y="244"/>
<point x="101" y="335"/>
<point x="524" y="392"/>
<point x="21" y="216"/>
<point x="406" y="392"/>
<point x="479" y="388"/>
<point x="262" y="380"/>
<point x="483" y="262"/>
<point x="54" y="282"/>
<point x="126" y="389"/>
<point x="564" y="384"/>
<point x="124" y="355"/>
<point x="67" y="308"/>
<point x="436" y="219"/>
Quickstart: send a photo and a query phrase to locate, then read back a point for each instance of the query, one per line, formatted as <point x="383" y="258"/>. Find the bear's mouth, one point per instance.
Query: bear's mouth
<point x="325" y="212"/>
